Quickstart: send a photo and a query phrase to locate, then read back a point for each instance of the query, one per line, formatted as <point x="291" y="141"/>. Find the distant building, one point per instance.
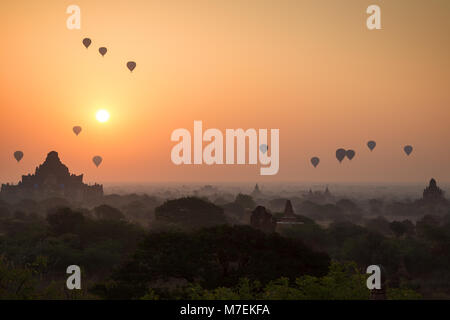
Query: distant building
<point x="256" y="193"/>
<point x="319" y="196"/>
<point x="289" y="217"/>
<point x="262" y="220"/>
<point x="432" y="193"/>
<point x="327" y="193"/>
<point x="52" y="179"/>
<point x="208" y="190"/>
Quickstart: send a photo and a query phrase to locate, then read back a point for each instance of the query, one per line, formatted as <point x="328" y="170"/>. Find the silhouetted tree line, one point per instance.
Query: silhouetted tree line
<point x="141" y="247"/>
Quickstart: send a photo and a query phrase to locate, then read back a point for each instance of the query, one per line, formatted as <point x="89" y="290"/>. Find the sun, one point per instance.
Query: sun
<point x="102" y="115"/>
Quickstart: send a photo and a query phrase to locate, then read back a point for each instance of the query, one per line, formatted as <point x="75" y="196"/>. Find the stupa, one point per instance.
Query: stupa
<point x="433" y="193"/>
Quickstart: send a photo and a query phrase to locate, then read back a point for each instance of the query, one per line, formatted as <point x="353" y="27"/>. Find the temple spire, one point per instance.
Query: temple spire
<point x="256" y="192"/>
<point x="288" y="210"/>
<point x="433" y="193"/>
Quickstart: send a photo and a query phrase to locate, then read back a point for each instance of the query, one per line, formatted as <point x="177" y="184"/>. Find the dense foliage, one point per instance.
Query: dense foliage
<point x="212" y="257"/>
<point x="190" y="248"/>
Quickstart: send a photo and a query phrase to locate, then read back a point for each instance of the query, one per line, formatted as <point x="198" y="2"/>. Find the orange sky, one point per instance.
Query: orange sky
<point x="309" y="68"/>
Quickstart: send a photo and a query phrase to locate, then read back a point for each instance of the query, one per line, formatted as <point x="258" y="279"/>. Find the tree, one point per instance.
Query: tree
<point x="375" y="206"/>
<point x="342" y="282"/>
<point x="106" y="212"/>
<point x="245" y="201"/>
<point x="217" y="256"/>
<point x="15" y="282"/>
<point x="64" y="220"/>
<point x="189" y="213"/>
<point x="399" y="228"/>
<point x="427" y="226"/>
<point x="380" y="225"/>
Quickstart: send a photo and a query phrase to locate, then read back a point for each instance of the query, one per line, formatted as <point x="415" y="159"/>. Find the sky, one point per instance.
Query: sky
<point x="311" y="69"/>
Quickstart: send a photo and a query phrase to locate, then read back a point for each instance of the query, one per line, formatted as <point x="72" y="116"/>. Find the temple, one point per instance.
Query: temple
<point x="432" y="193"/>
<point x="289" y="217"/>
<point x="52" y="179"/>
<point x="256" y="193"/>
<point x="263" y="220"/>
<point x="319" y="196"/>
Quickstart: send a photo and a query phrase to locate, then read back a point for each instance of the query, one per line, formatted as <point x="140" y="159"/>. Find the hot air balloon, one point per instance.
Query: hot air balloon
<point x="350" y="154"/>
<point x="77" y="130"/>
<point x="315" y="161"/>
<point x="264" y="148"/>
<point x="18" y="155"/>
<point x="131" y="65"/>
<point x="102" y="51"/>
<point x="371" y="144"/>
<point x="340" y="154"/>
<point x="408" y="149"/>
<point x="87" y="42"/>
<point x="97" y="160"/>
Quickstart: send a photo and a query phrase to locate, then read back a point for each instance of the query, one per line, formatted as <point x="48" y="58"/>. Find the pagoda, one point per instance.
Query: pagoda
<point x="289" y="217"/>
<point x="433" y="193"/>
<point x="51" y="179"/>
<point x="256" y="193"/>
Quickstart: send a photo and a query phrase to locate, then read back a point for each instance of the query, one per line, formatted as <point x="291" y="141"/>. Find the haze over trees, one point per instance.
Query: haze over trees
<point x="137" y="246"/>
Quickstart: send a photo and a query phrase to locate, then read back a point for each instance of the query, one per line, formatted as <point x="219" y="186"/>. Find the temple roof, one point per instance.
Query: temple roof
<point x="433" y="192"/>
<point x="52" y="178"/>
<point x="433" y="183"/>
<point x="52" y="165"/>
<point x="256" y="192"/>
<point x="288" y="210"/>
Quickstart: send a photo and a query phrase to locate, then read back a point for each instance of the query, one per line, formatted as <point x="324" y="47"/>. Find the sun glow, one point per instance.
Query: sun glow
<point x="102" y="115"/>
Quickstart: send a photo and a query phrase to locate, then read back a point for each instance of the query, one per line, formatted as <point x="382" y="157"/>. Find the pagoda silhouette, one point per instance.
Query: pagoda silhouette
<point x="52" y="179"/>
<point x="432" y="193"/>
<point x="256" y="193"/>
<point x="289" y="217"/>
